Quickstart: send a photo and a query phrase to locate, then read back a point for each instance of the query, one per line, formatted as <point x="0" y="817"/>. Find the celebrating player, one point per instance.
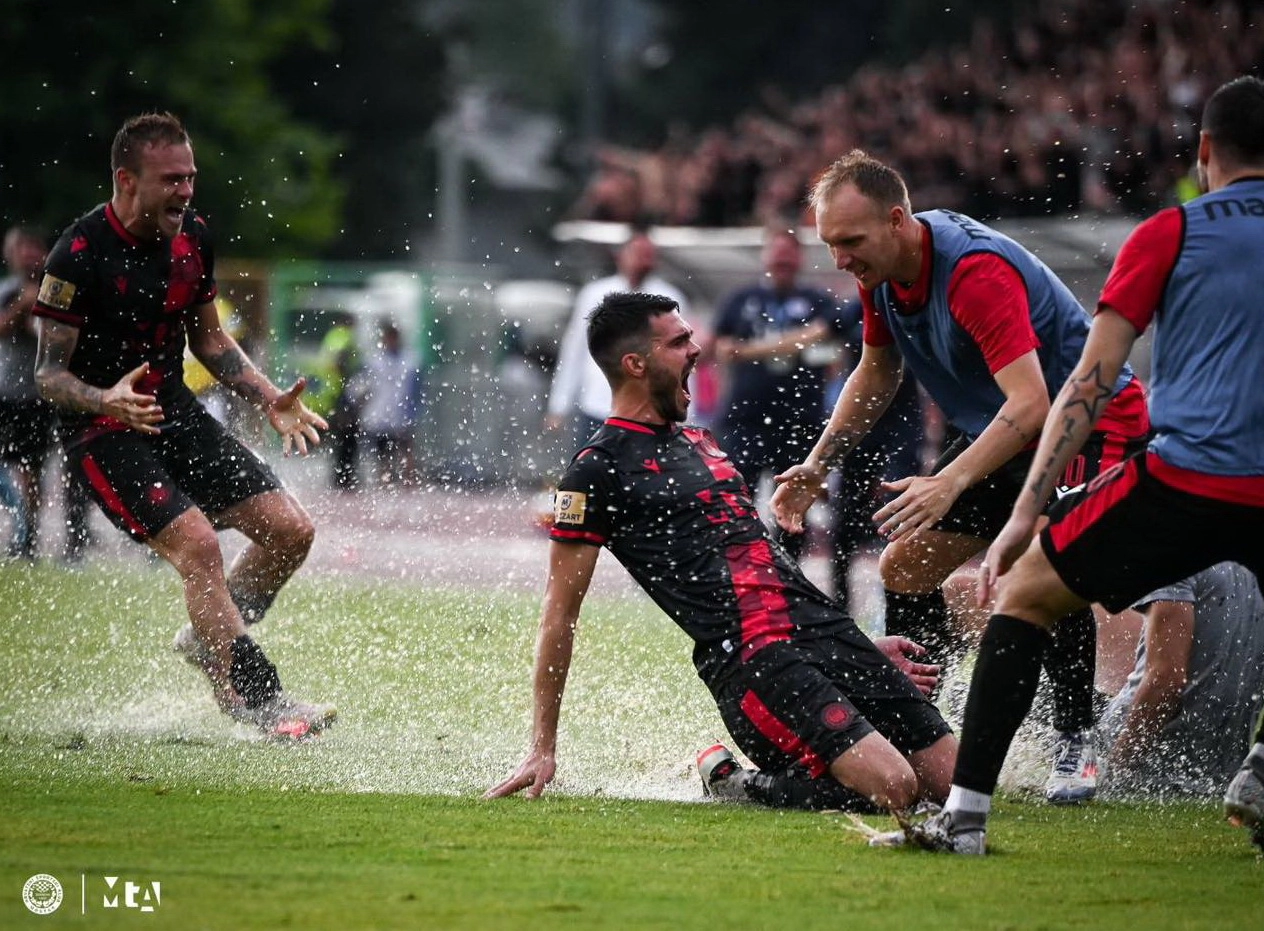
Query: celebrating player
<point x="814" y="703"/>
<point x="1193" y="499"/>
<point x="122" y="289"/>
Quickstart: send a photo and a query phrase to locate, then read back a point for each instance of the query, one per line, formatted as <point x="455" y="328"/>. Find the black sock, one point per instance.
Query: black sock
<point x="787" y="790"/>
<point x="923" y="619"/>
<point x="1006" y="674"/>
<point x="251" y="607"/>
<point x="253" y="676"/>
<point x="1071" y="664"/>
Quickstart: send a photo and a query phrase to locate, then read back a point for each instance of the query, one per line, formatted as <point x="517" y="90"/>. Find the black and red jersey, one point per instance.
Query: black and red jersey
<point x="668" y="503"/>
<point x="129" y="299"/>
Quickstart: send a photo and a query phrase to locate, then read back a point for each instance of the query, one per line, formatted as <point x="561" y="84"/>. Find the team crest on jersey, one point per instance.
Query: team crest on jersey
<point x="56" y="293"/>
<point x="569" y="507"/>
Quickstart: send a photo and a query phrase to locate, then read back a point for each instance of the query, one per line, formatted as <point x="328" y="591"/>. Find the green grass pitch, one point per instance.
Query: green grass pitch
<point x="114" y="763"/>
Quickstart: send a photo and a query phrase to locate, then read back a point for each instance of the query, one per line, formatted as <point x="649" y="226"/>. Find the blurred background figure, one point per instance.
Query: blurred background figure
<point x="901" y="443"/>
<point x="336" y="397"/>
<point x="580" y="394"/>
<point x="772" y="340"/>
<point x="26" y="421"/>
<point x="391" y="391"/>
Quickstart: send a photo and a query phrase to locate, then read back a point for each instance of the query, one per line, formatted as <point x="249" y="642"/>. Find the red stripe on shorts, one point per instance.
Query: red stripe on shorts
<point x="96" y="478"/>
<point x="775" y="730"/>
<point x="1103" y="493"/>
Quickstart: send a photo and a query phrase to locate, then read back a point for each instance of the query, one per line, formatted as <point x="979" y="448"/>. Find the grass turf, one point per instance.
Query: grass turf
<point x="114" y="762"/>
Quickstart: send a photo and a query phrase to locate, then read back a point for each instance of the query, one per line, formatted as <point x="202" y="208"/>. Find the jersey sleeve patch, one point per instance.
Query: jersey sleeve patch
<point x="56" y="293"/>
<point x="569" y="507"/>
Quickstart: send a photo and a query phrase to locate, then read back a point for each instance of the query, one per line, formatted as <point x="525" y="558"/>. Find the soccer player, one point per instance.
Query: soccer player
<point x="802" y="691"/>
<point x="1193" y="499"/>
<point x="122" y="289"/>
<point x="991" y="334"/>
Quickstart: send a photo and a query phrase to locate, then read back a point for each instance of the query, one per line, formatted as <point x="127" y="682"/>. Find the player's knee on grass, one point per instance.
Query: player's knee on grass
<point x="877" y="771"/>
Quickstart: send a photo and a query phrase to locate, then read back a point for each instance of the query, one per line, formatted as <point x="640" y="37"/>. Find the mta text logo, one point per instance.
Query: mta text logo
<point x="144" y="896"/>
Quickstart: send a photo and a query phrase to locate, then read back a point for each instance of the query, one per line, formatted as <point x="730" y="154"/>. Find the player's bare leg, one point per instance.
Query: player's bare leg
<point x="281" y="535"/>
<point x="190" y="544"/>
<point x="875" y="769"/>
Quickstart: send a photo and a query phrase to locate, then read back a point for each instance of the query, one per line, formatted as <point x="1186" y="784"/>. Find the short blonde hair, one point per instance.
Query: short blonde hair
<point x="875" y="180"/>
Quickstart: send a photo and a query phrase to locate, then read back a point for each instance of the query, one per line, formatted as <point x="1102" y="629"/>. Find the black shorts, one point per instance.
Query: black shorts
<point x="984" y="508"/>
<point x="803" y="704"/>
<point x="26" y="431"/>
<point x="1129" y="534"/>
<point x="144" y="482"/>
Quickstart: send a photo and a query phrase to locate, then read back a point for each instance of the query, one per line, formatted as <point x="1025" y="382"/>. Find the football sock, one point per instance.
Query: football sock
<point x="253" y="676"/>
<point x="923" y="619"/>
<point x="968" y="801"/>
<point x="786" y="790"/>
<point x="1006" y="674"/>
<point x="252" y="607"/>
<point x="1070" y="661"/>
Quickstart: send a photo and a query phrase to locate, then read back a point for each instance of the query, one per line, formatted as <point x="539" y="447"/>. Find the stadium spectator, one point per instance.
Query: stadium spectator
<point x="990" y="333"/>
<point x="388" y="416"/>
<point x="1195" y="498"/>
<point x="1184" y="717"/>
<point x="123" y="288"/>
<point x="772" y="338"/>
<point x="806" y="696"/>
<point x="580" y="396"/>
<point x="1080" y="105"/>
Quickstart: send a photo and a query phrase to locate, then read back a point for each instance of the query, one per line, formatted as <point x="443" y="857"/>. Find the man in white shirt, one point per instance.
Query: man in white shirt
<point x="580" y="392"/>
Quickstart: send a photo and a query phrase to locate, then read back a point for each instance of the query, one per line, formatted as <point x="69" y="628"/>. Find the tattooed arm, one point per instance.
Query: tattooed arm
<point x="864" y="398"/>
<point x="59" y="386"/>
<point x="1071" y="418"/>
<point x="226" y="360"/>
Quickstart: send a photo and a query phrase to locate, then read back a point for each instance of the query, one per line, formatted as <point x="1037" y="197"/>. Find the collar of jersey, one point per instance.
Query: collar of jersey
<point x="622" y="423"/>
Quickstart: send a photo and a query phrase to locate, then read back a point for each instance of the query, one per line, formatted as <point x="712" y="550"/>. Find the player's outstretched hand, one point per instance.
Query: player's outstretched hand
<point x="126" y="404"/>
<point x="901" y="652"/>
<point x="291" y="418"/>
<point x="797" y="490"/>
<point x="533" y="774"/>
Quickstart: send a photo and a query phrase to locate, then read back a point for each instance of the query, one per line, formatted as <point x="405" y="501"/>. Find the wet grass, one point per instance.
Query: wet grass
<point x="113" y="762"/>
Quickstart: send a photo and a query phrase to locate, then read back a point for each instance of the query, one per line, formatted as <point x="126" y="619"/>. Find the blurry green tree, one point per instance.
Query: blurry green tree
<point x="300" y="111"/>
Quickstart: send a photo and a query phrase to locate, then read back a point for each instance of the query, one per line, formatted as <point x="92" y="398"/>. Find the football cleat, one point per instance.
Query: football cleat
<point x="1244" y="804"/>
<point x="946" y="832"/>
<point x="1074" y="776"/>
<point x="190" y="646"/>
<point x="285" y="718"/>
<point x="723" y="778"/>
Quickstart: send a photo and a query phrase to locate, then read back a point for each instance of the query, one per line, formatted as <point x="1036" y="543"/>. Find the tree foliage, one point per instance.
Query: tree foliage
<point x="291" y="104"/>
<point x="377" y="85"/>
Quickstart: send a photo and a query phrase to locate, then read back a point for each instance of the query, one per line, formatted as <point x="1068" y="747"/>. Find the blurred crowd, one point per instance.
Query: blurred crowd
<point x="1082" y="105"/>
